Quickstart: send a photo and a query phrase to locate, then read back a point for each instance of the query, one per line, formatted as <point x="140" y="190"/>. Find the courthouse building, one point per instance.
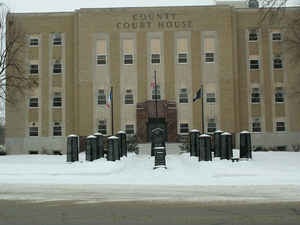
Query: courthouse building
<point x="247" y="77"/>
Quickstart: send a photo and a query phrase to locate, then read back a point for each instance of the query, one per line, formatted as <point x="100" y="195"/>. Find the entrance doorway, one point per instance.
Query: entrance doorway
<point x="157" y="123"/>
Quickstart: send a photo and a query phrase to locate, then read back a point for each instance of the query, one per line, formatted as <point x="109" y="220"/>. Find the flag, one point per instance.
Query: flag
<point x="153" y="84"/>
<point x="198" y="95"/>
<point x="109" y="99"/>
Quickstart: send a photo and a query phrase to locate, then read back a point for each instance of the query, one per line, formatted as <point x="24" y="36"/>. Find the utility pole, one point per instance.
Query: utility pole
<point x="112" y="110"/>
<point x="156" y="113"/>
<point x="202" y="97"/>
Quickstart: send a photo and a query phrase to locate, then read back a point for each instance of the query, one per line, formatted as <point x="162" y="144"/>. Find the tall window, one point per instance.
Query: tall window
<point x="57" y="130"/>
<point x="57" y="99"/>
<point x="34" y="41"/>
<point x="255" y="95"/>
<point x="279" y="95"/>
<point x="182" y="51"/>
<point x="276" y="36"/>
<point x="128" y="97"/>
<point x="183" y="96"/>
<point x="254" y="62"/>
<point x="280" y="126"/>
<point x="184" y="128"/>
<point x="57" y="67"/>
<point x="156" y="94"/>
<point x="211" y="97"/>
<point x="57" y="39"/>
<point x="129" y="129"/>
<point x="101" y="56"/>
<point x="34" y="68"/>
<point x="211" y="126"/>
<point x="102" y="127"/>
<point x="33" y="102"/>
<point x="209" y="50"/>
<point x="101" y="100"/>
<point x="256" y="125"/>
<point x="33" y="130"/>
<point x="128" y="52"/>
<point x="253" y="35"/>
<point x="277" y="62"/>
<point x="155" y="51"/>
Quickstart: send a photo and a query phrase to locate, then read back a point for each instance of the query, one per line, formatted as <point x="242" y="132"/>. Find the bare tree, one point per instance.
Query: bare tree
<point x="14" y="79"/>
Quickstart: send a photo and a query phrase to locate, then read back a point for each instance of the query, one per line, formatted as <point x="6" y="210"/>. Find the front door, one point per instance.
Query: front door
<point x="157" y="123"/>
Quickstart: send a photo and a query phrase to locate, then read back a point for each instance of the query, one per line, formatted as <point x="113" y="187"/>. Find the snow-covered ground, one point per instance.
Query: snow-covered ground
<point x="271" y="174"/>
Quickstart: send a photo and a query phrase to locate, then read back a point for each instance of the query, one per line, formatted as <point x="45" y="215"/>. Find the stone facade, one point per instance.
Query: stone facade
<point x="186" y="47"/>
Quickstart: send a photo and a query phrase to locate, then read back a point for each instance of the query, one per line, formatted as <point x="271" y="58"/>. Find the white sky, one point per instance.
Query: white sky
<point x="70" y="5"/>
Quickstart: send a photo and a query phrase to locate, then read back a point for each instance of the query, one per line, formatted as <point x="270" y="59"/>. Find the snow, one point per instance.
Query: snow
<point x="194" y="130"/>
<point x="204" y="135"/>
<point x="113" y="137"/>
<point x="226" y="133"/>
<point x="91" y="136"/>
<point x="266" y="168"/>
<point x="269" y="176"/>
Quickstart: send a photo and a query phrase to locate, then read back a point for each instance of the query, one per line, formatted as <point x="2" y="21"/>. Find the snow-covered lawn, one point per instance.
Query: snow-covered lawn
<point x="266" y="168"/>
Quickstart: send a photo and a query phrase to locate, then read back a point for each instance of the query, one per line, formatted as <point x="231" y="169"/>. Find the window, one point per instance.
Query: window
<point x="255" y="95"/>
<point x="182" y="58"/>
<point x="157" y="94"/>
<point x="209" y="50"/>
<point x="211" y="126"/>
<point x="128" y="51"/>
<point x="254" y="64"/>
<point x="276" y="36"/>
<point x="101" y="57"/>
<point x="102" y="127"/>
<point x="101" y="100"/>
<point x="183" y="96"/>
<point x="128" y="59"/>
<point x="277" y="62"/>
<point x="182" y="49"/>
<point x="253" y="35"/>
<point x="33" y="102"/>
<point x="57" y="39"/>
<point x="128" y="97"/>
<point x="57" y="67"/>
<point x="155" y="58"/>
<point x="210" y="97"/>
<point x="33" y="130"/>
<point x="155" y="51"/>
<point x="33" y="41"/>
<point x="57" y="100"/>
<point x="279" y="95"/>
<point x="280" y="126"/>
<point x="34" y="69"/>
<point x="256" y="125"/>
<point x="129" y="129"/>
<point x="184" y="128"/>
<point x="57" y="131"/>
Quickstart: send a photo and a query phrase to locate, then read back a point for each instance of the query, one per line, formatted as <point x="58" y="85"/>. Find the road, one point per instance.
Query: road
<point x="148" y="212"/>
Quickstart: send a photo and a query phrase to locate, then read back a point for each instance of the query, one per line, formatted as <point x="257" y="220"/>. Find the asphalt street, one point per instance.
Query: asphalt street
<point x="18" y="212"/>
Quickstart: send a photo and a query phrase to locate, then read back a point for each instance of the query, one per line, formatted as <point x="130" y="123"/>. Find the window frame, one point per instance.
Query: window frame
<point x="255" y="97"/>
<point x="102" y="123"/>
<point x="31" y="131"/>
<point x="276" y="93"/>
<point x="183" y="129"/>
<point x="209" y="122"/>
<point x="101" y="97"/>
<point x="280" y="64"/>
<point x="284" y="126"/>
<point x="101" y="60"/>
<point x="183" y="96"/>
<point x="156" y="94"/>
<point x="31" y="43"/>
<point x="125" y="61"/>
<point x="276" y="33"/>
<point x="55" y="100"/>
<point x="256" y="125"/>
<point x="152" y="60"/>
<point x="132" y="130"/>
<point x="185" y="58"/>
<point x="128" y="98"/>
<point x="207" y="98"/>
<point x="54" y="38"/>
<point x="32" y="70"/>
<point x="251" y="31"/>
<point x="206" y="57"/>
<point x="252" y="64"/>
<point x="30" y="103"/>
<point x="56" y="64"/>
<point x="54" y="129"/>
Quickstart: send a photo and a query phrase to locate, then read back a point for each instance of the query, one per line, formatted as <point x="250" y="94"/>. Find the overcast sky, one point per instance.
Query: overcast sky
<point x="70" y="5"/>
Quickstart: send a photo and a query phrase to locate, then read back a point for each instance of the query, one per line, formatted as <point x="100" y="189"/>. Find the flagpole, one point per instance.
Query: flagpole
<point x="156" y="113"/>
<point x="112" y="110"/>
<point x="202" y="89"/>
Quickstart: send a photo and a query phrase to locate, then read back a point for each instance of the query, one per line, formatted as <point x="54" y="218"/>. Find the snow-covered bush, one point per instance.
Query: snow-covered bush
<point x="2" y="150"/>
<point x="132" y="145"/>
